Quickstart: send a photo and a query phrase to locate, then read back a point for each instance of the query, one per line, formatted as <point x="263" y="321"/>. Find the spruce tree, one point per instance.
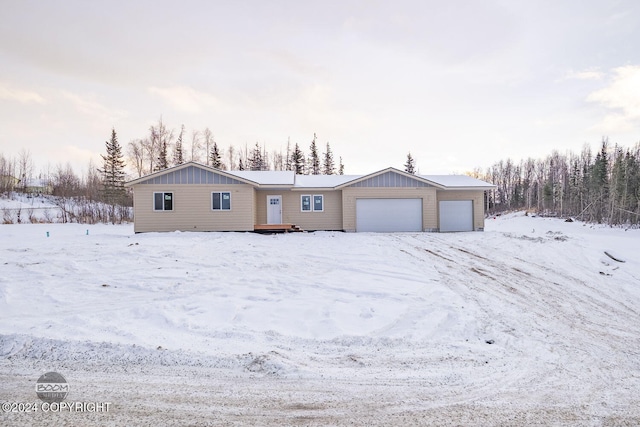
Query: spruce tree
<point x="240" y="165"/>
<point x="328" y="166"/>
<point x="314" y="159"/>
<point x="288" y="163"/>
<point x="215" y="160"/>
<point x="112" y="172"/>
<point x="162" y="162"/>
<point x="297" y="159"/>
<point x="256" y="161"/>
<point x="410" y="165"/>
<point x="340" y="167"/>
<point x="178" y="155"/>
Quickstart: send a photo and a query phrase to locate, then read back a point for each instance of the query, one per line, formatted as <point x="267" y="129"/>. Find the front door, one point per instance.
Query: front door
<point x="274" y="209"/>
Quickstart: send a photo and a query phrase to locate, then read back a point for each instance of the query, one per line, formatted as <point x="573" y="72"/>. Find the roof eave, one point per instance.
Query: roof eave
<point x="467" y="188"/>
<point x="314" y="189"/>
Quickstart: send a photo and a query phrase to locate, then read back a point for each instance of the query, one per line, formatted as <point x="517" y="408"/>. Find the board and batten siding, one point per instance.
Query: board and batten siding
<point x="477" y="196"/>
<point x="192" y="208"/>
<point x="329" y="219"/>
<point x="427" y="194"/>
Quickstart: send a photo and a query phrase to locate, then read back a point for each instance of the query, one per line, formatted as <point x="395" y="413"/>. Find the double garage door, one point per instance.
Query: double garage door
<point x="388" y="215"/>
<point x="394" y="215"/>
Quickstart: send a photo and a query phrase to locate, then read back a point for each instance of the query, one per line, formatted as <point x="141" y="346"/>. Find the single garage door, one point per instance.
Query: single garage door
<point x="456" y="215"/>
<point x="388" y="215"/>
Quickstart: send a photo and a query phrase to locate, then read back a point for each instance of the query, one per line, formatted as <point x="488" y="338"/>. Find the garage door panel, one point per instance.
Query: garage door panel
<point x="389" y="215"/>
<point x="456" y="215"/>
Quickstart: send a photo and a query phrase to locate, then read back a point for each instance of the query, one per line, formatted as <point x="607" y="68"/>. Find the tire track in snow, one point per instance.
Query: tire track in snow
<point x="555" y="311"/>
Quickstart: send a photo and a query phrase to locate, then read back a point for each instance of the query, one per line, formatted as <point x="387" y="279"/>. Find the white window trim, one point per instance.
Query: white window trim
<point x="220" y="210"/>
<point x="153" y="201"/>
<point x="312" y="204"/>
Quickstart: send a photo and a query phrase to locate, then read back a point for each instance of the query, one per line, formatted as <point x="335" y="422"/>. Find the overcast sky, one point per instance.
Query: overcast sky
<point x="460" y="84"/>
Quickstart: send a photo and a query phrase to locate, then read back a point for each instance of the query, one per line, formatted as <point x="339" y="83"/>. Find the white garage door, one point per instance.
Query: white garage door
<point x="456" y="215"/>
<point x="388" y="215"/>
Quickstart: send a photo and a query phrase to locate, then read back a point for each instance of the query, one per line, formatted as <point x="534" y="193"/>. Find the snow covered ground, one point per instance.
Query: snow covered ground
<point x="528" y="323"/>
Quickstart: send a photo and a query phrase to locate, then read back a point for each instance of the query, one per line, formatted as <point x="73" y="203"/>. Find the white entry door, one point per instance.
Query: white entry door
<point x="274" y="209"/>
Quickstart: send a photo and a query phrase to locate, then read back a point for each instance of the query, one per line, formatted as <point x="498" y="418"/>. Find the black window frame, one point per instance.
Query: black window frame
<point x="222" y="203"/>
<point x="163" y="200"/>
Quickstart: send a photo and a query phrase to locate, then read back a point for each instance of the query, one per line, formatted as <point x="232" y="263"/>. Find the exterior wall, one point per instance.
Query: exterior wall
<point x="478" y="204"/>
<point x="329" y="219"/>
<point x="427" y="194"/>
<point x="192" y="208"/>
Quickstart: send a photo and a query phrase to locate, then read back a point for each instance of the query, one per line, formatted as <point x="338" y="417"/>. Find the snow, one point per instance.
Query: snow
<point x="267" y="177"/>
<point x="324" y="181"/>
<point x="527" y="323"/>
<point x="452" y="181"/>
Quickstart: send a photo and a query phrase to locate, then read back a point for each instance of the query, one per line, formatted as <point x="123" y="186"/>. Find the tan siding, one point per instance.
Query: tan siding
<point x="329" y="219"/>
<point x="427" y="194"/>
<point x="192" y="208"/>
<point x="478" y="203"/>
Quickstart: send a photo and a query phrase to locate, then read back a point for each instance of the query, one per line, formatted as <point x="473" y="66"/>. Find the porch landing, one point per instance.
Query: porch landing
<point x="276" y="228"/>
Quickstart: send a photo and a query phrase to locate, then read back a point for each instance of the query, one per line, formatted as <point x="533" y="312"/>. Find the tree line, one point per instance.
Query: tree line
<point x="99" y="195"/>
<point x="163" y="148"/>
<point x="601" y="188"/>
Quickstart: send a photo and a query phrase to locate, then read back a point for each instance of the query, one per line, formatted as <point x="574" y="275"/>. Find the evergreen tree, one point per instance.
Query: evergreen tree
<point x="340" y="167"/>
<point x="112" y="172"/>
<point x="162" y="162"/>
<point x="178" y="155"/>
<point x="410" y="165"/>
<point x="314" y="159"/>
<point x="240" y="164"/>
<point x="288" y="164"/>
<point x="599" y="188"/>
<point x="215" y="160"/>
<point x="328" y="166"/>
<point x="297" y="159"/>
<point x="256" y="161"/>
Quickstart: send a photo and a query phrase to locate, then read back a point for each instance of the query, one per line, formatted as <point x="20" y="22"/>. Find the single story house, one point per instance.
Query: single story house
<point x="195" y="197"/>
<point x="38" y="187"/>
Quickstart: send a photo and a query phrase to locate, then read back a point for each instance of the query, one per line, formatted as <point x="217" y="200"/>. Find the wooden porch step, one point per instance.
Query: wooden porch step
<point x="276" y="228"/>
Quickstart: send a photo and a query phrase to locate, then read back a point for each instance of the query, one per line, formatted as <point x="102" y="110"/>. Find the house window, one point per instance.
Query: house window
<point x="312" y="203"/>
<point x="162" y="201"/>
<point x="318" y="203"/>
<point x="221" y="201"/>
<point x="305" y="203"/>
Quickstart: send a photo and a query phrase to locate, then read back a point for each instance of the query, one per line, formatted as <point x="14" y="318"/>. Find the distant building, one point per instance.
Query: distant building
<point x="38" y="187"/>
<point x="8" y="182"/>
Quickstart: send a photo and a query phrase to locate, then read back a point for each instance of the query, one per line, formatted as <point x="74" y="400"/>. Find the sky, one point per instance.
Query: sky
<point x="459" y="84"/>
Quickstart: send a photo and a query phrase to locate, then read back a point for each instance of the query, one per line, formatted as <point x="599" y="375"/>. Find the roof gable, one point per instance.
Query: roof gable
<point x="389" y="177"/>
<point x="190" y="173"/>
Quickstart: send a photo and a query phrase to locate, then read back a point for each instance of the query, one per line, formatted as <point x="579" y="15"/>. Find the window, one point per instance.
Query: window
<point x="162" y="201"/>
<point x="307" y="206"/>
<point x="306" y="203"/>
<point x="221" y="201"/>
<point x="318" y="203"/>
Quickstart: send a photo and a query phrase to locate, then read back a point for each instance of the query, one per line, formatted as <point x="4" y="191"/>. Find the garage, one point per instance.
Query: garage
<point x="456" y="215"/>
<point x="388" y="215"/>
